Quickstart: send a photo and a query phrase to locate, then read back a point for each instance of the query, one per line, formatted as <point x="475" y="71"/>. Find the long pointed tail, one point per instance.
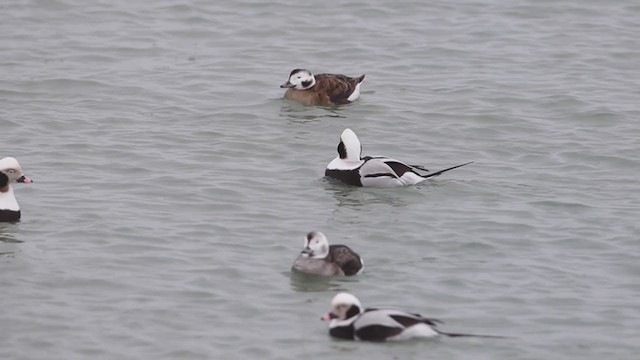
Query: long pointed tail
<point x="420" y="167"/>
<point x="473" y="335"/>
<point x="445" y="170"/>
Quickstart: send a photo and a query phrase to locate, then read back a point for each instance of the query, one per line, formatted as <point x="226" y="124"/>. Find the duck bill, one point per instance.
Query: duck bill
<point x="328" y="316"/>
<point x="307" y="251"/>
<point x="287" y="85"/>
<point x="25" y="180"/>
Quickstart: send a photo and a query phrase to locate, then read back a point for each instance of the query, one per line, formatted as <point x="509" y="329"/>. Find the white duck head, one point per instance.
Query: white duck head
<point x="11" y="168"/>
<point x="344" y="306"/>
<point x="300" y="79"/>
<point x="316" y="245"/>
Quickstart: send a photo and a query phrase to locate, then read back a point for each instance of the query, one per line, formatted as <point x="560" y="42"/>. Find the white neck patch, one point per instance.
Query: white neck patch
<point x="351" y="145"/>
<point x="8" y="200"/>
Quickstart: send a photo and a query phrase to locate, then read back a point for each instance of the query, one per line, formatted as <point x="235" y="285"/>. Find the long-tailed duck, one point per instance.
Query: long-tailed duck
<point x="349" y="320"/>
<point x="320" y="258"/>
<point x="375" y="171"/>
<point x="9" y="208"/>
<point x="321" y="89"/>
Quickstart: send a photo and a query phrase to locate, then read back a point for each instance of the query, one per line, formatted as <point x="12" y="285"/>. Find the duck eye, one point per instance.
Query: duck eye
<point x="11" y="171"/>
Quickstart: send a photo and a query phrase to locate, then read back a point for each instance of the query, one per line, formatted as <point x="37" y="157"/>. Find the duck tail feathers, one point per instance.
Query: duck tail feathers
<point x="445" y="170"/>
<point x="472" y="335"/>
<point x="420" y="167"/>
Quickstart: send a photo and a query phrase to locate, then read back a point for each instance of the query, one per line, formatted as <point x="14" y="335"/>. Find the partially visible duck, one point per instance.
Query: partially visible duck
<point x="11" y="172"/>
<point x="320" y="258"/>
<point x="349" y="320"/>
<point x="376" y="171"/>
<point x="321" y="89"/>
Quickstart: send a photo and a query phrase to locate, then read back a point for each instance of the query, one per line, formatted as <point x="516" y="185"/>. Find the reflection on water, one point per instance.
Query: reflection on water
<point x="355" y="197"/>
<point x="312" y="283"/>
<point x="7" y="241"/>
<point x="6" y="237"/>
<point x="296" y="113"/>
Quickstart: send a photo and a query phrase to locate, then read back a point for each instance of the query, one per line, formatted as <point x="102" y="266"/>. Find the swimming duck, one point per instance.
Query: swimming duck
<point x="11" y="173"/>
<point x="374" y="171"/>
<point x="349" y="320"/>
<point x="321" y="89"/>
<point x="320" y="258"/>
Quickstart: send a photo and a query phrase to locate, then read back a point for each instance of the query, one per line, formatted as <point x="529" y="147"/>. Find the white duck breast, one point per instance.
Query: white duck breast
<point x="9" y="208"/>
<point x="8" y="200"/>
<point x="373" y="171"/>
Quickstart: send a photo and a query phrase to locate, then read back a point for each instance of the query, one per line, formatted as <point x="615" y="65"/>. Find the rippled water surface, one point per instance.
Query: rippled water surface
<point x="174" y="186"/>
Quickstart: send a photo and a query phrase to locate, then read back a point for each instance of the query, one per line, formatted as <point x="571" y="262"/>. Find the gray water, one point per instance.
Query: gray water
<point x="174" y="185"/>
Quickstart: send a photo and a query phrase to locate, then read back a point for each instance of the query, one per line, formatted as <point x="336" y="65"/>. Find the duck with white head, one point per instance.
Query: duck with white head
<point x="11" y="172"/>
<point x="321" y="89"/>
<point x="374" y="171"/>
<point x="349" y="320"/>
<point x="319" y="258"/>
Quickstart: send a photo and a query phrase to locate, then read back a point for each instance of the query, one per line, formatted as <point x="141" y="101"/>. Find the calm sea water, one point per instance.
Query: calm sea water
<point x="174" y="186"/>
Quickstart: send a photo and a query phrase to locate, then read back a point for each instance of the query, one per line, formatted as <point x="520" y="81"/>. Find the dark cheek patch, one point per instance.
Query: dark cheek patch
<point x="342" y="150"/>
<point x="307" y="83"/>
<point x="353" y="311"/>
<point x="4" y="179"/>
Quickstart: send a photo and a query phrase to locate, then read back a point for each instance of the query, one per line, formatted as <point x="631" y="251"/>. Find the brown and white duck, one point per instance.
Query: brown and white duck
<point x="321" y="89"/>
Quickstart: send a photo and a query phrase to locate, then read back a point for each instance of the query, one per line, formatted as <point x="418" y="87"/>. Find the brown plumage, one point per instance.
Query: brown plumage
<point x="321" y="89"/>
<point x="348" y="260"/>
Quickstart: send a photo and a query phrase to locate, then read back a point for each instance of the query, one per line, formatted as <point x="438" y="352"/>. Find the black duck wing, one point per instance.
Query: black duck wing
<point x="408" y="320"/>
<point x="400" y="168"/>
<point x="376" y="325"/>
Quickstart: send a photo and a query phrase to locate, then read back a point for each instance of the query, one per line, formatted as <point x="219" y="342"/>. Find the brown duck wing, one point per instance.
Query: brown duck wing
<point x="348" y="260"/>
<point x="337" y="87"/>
